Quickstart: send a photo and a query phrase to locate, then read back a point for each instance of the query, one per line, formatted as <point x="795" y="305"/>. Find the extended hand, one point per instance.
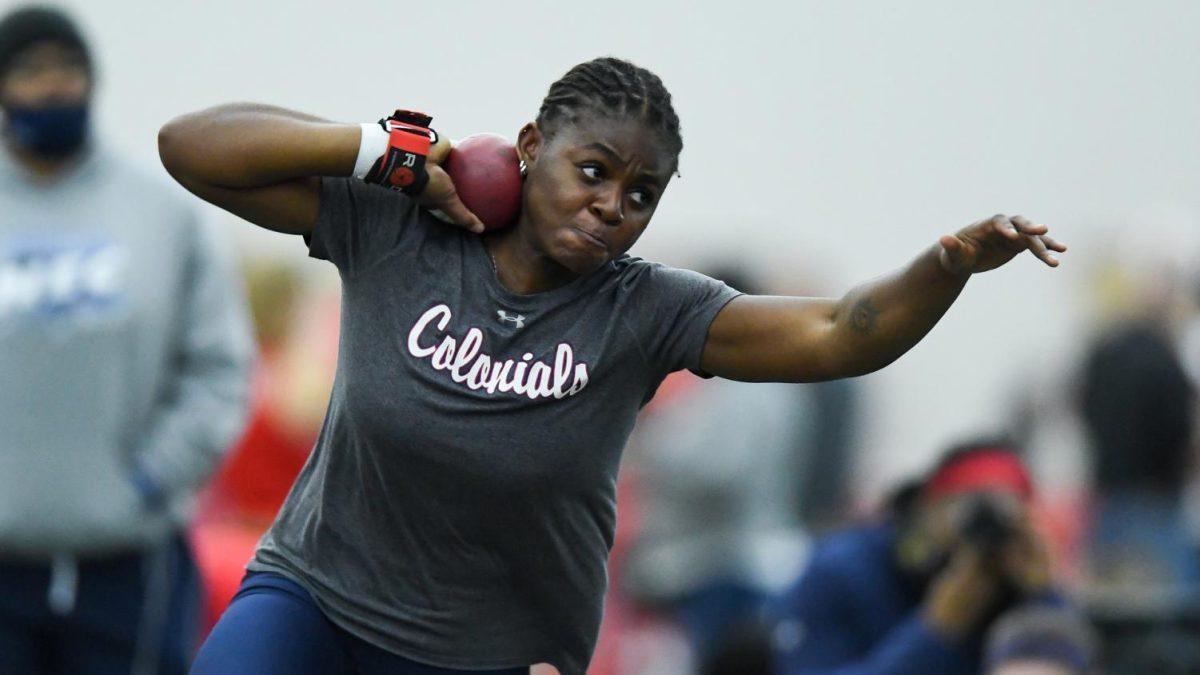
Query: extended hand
<point x="991" y="242"/>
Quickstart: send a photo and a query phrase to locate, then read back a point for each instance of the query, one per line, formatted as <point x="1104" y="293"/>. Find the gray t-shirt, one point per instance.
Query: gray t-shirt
<point x="460" y="503"/>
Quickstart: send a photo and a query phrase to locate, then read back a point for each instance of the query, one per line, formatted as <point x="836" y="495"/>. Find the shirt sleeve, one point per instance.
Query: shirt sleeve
<point x="679" y="306"/>
<point x="359" y="224"/>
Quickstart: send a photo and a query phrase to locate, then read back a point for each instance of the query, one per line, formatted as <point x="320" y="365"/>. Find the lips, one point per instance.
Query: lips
<point x="590" y="238"/>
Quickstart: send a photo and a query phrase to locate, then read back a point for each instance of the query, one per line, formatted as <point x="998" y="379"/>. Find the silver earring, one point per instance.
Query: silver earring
<point x="524" y="169"/>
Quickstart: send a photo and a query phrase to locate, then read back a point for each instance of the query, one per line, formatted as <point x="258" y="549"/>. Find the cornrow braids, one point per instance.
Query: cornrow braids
<point x="611" y="87"/>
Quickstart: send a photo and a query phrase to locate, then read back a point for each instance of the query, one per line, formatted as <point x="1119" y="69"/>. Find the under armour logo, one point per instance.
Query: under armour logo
<point x="514" y="318"/>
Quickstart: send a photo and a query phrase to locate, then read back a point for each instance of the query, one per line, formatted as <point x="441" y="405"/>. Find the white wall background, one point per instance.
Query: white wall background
<point x="828" y="138"/>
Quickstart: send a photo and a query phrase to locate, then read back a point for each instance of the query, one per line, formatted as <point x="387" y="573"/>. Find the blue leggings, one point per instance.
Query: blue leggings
<point x="272" y="626"/>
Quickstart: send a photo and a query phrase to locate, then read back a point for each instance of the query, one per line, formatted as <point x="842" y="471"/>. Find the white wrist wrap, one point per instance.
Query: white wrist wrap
<point x="371" y="147"/>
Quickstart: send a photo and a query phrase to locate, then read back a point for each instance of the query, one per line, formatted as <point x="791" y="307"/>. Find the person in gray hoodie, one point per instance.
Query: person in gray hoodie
<point x="124" y="358"/>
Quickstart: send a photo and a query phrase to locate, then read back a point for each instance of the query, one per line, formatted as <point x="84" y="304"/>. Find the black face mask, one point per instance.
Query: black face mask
<point x="50" y="133"/>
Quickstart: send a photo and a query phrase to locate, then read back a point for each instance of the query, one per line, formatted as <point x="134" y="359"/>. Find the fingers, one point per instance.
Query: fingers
<point x="438" y="152"/>
<point x="1026" y="226"/>
<point x="440" y="195"/>
<point x="1033" y="236"/>
<point x="460" y="215"/>
<point x="950" y="244"/>
<point x="1053" y="245"/>
<point x="952" y="253"/>
<point x="1038" y="248"/>
<point x="1002" y="225"/>
<point x="1036" y="239"/>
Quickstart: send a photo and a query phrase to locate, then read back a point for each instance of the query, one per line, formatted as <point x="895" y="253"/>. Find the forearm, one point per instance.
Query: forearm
<point x="785" y="339"/>
<point x="877" y="322"/>
<point x="246" y="145"/>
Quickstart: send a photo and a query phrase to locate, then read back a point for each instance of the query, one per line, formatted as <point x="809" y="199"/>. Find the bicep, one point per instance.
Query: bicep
<point x="290" y="207"/>
<point x="760" y="338"/>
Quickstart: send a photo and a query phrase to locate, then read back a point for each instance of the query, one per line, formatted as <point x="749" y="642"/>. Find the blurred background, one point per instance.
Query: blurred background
<point x="825" y="143"/>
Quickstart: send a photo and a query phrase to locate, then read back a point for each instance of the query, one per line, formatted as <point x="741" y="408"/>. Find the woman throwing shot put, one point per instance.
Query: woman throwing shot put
<point x="457" y="511"/>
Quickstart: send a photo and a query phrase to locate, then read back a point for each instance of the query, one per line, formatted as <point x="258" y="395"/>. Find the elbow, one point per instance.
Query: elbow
<point x="857" y="367"/>
<point x="173" y="148"/>
<point x="169" y="150"/>
<point x="180" y="148"/>
<point x="844" y="362"/>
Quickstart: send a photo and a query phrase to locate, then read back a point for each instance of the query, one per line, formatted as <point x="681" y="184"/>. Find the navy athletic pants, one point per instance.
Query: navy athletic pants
<point x="131" y="613"/>
<point x="273" y="627"/>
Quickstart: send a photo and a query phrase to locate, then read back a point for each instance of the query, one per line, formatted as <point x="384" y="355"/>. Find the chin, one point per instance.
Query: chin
<point x="580" y="264"/>
<point x="578" y="260"/>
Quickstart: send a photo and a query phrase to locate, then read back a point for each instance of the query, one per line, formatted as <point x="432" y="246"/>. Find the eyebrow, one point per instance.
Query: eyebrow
<point x="606" y="150"/>
<point x="612" y="154"/>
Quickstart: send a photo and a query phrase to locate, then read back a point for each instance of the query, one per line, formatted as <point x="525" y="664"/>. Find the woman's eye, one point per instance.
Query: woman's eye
<point x="641" y="197"/>
<point x="592" y="172"/>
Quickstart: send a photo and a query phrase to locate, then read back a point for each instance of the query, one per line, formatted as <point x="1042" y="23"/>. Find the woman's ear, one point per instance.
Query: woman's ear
<point x="529" y="144"/>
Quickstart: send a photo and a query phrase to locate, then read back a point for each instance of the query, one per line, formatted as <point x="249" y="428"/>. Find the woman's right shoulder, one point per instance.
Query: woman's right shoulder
<point x="631" y="269"/>
<point x="634" y="273"/>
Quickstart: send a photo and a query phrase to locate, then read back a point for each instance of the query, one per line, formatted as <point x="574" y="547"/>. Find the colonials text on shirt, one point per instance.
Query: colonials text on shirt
<point x="465" y="364"/>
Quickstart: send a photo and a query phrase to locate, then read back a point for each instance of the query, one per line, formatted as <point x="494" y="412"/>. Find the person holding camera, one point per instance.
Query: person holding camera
<point x="917" y="592"/>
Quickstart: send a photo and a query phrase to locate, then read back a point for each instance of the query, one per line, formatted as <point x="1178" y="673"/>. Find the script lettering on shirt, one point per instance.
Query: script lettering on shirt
<point x="465" y="363"/>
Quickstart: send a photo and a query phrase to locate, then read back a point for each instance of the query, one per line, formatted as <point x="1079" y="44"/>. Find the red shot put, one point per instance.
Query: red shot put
<point x="487" y="175"/>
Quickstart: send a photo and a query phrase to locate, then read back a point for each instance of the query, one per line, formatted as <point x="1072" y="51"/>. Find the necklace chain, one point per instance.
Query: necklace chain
<point x="492" y="259"/>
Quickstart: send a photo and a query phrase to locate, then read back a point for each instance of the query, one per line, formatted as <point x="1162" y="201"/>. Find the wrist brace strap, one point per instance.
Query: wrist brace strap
<point x="402" y="165"/>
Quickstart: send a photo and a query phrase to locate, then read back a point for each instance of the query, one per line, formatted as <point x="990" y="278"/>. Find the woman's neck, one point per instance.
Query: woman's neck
<point x="520" y="266"/>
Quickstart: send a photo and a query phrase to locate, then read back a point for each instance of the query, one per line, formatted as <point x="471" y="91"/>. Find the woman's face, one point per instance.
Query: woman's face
<point x="591" y="188"/>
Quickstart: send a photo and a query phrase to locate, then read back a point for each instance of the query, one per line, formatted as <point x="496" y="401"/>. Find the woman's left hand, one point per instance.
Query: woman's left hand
<point x="991" y="242"/>
<point x="439" y="151"/>
<point x="441" y="197"/>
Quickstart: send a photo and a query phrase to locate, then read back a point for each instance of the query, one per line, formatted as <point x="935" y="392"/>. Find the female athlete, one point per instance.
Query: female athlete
<point x="457" y="511"/>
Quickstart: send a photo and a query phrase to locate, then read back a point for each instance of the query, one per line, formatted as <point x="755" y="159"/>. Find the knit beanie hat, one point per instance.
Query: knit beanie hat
<point x="27" y="25"/>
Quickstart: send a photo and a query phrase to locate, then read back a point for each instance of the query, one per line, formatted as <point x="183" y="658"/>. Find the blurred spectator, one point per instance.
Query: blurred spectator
<point x="916" y="593"/>
<point x="1041" y="641"/>
<point x="258" y="472"/>
<point x="828" y="452"/>
<point x="745" y="650"/>
<point x="719" y="463"/>
<point x="1146" y="629"/>
<point x="1138" y="406"/>
<point x="124" y="349"/>
<point x="289" y="396"/>
<point x="1190" y="332"/>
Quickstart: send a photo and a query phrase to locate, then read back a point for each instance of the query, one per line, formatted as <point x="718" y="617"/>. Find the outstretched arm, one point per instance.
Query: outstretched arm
<point x="264" y="163"/>
<point x="786" y="339"/>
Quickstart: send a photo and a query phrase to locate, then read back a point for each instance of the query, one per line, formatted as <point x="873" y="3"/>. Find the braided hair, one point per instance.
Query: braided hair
<point x="611" y="87"/>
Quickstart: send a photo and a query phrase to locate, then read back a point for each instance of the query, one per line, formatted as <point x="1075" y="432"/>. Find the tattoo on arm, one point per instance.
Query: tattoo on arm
<point x="862" y="316"/>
